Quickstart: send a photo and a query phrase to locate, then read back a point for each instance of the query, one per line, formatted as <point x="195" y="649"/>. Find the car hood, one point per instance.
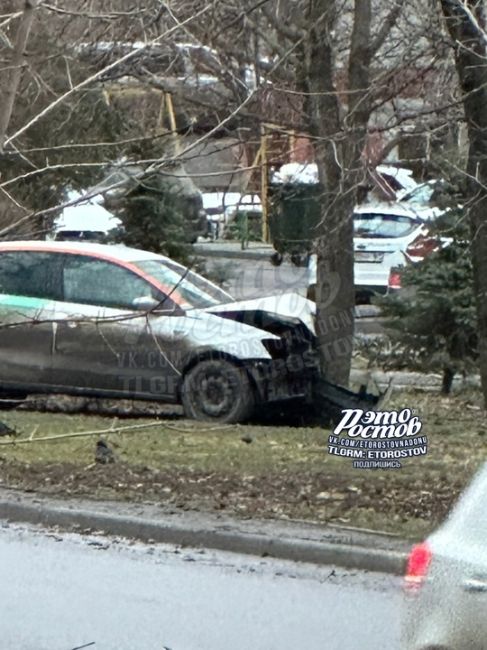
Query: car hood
<point x="204" y="331"/>
<point x="286" y="305"/>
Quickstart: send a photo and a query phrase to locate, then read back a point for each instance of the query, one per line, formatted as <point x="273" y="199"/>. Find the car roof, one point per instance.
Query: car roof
<point x="112" y="251"/>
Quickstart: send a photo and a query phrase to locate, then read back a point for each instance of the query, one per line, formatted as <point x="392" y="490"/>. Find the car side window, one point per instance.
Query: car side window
<point x="29" y="273"/>
<point x="92" y="281"/>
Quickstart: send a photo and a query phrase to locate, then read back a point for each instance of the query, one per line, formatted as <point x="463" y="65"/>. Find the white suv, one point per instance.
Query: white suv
<point x="386" y="237"/>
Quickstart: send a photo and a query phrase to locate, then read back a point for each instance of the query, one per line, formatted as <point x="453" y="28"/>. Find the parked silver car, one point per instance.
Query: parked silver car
<point x="112" y="321"/>
<point x="446" y="580"/>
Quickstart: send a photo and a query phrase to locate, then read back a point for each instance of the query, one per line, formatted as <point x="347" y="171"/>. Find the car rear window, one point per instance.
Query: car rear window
<point x="29" y="273"/>
<point x="372" y="224"/>
<point x="421" y="195"/>
<point x="80" y="235"/>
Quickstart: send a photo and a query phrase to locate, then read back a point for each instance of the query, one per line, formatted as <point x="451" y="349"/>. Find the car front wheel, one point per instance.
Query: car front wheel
<point x="218" y="391"/>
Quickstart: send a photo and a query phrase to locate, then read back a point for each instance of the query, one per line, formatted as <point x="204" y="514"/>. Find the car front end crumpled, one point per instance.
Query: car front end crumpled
<point x="293" y="363"/>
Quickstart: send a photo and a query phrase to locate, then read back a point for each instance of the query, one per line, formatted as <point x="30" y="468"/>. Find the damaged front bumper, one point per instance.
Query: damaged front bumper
<point x="299" y="377"/>
<point x="284" y="379"/>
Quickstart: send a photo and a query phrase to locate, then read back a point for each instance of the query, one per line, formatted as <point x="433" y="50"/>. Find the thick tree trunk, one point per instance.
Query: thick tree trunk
<point x="466" y="27"/>
<point x="340" y="136"/>
<point x="335" y="295"/>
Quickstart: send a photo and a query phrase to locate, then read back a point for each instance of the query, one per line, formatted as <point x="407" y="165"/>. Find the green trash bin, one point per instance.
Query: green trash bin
<point x="294" y="214"/>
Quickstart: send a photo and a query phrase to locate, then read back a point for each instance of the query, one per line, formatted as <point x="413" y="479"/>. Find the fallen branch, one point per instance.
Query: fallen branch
<point x="220" y="427"/>
<point x="78" y="434"/>
<point x="112" y="429"/>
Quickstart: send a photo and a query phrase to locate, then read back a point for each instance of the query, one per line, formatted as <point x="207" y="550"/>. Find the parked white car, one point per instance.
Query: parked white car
<point x="85" y="221"/>
<point x="386" y="237"/>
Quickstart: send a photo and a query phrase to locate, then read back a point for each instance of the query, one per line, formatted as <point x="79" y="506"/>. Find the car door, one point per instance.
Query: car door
<point x="29" y="286"/>
<point x="104" y="343"/>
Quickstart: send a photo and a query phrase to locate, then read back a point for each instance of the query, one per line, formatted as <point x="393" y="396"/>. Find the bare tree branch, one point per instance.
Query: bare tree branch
<point x="94" y="77"/>
<point x="387" y="24"/>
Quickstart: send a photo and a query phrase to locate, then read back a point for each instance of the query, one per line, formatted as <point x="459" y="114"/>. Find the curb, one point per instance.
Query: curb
<point x="236" y="537"/>
<point x="246" y="254"/>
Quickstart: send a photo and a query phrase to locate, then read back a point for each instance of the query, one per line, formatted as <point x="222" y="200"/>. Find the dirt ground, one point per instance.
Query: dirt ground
<point x="249" y="470"/>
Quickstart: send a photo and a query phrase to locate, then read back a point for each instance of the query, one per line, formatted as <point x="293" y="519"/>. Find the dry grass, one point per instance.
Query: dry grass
<point x="283" y="472"/>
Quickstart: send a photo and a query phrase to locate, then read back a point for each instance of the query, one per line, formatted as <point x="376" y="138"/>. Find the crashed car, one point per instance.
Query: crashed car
<point x="112" y="321"/>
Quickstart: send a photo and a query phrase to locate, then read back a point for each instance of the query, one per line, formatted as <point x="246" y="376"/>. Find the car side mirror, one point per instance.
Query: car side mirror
<point x="145" y="303"/>
<point x="148" y="303"/>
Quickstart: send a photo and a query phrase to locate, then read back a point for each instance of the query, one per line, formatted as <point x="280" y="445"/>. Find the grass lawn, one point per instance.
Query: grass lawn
<point x="284" y="472"/>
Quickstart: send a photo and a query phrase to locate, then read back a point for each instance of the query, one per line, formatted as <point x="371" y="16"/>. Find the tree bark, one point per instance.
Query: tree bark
<point x="17" y="66"/>
<point x="447" y="380"/>
<point x="465" y="22"/>
<point x="340" y="137"/>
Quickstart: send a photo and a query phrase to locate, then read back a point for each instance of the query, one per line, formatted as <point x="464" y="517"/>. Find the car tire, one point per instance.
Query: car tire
<point x="217" y="390"/>
<point x="299" y="260"/>
<point x="276" y="259"/>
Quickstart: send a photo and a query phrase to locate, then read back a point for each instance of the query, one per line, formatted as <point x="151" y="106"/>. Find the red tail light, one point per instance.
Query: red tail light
<point x="394" y="281"/>
<point x="422" y="246"/>
<point x="418" y="564"/>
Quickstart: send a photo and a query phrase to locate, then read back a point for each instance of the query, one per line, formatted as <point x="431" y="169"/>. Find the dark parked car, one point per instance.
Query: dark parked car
<point x="446" y="580"/>
<point x="112" y="321"/>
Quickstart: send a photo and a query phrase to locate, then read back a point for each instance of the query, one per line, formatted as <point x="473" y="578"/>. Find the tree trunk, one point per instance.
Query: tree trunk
<point x="466" y="27"/>
<point x="17" y="66"/>
<point x="340" y="137"/>
<point x="447" y="380"/>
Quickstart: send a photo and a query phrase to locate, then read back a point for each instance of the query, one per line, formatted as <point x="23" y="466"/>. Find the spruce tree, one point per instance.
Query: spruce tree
<point x="153" y="218"/>
<point x="433" y="318"/>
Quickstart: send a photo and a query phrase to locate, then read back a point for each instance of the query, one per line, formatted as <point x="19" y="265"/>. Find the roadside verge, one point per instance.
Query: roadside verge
<point x="296" y="541"/>
<point x="233" y="250"/>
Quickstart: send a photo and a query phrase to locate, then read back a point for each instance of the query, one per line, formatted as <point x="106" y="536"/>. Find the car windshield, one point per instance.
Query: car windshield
<point x="371" y="224"/>
<point x="196" y="291"/>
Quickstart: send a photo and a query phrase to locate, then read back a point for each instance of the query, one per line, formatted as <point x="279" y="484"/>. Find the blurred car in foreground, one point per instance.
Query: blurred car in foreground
<point x="113" y="321"/>
<point x="446" y="580"/>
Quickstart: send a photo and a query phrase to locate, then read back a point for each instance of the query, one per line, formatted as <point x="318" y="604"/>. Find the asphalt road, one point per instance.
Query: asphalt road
<point x="254" y="278"/>
<point x="63" y="591"/>
<point x="251" y="278"/>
